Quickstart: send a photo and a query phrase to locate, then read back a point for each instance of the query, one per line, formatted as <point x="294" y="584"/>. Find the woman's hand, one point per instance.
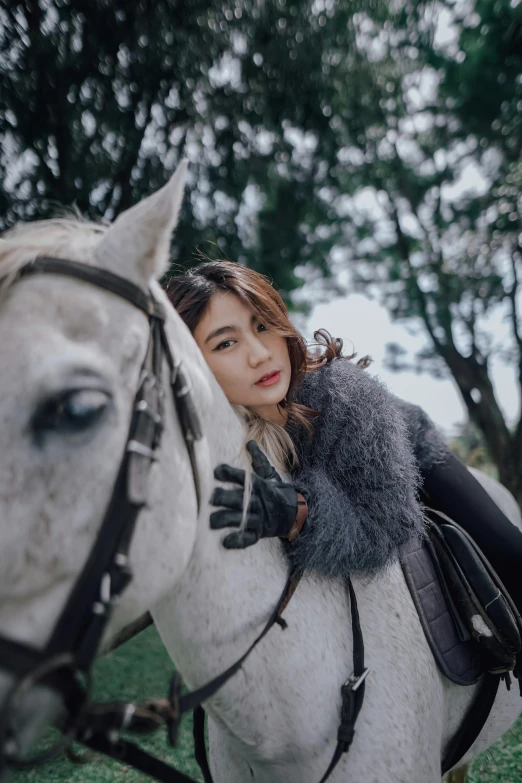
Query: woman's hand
<point x="275" y="509"/>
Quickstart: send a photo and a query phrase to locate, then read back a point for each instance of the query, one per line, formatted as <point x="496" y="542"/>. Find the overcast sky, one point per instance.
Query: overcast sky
<point x="365" y="324"/>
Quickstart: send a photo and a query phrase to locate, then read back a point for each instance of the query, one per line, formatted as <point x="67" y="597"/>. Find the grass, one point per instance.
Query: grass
<point x="142" y="668"/>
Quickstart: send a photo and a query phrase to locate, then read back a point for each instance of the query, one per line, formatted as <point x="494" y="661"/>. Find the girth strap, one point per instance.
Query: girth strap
<point x="352" y="692"/>
<point x="473" y="722"/>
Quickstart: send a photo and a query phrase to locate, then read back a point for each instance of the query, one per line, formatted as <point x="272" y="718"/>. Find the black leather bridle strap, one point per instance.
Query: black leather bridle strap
<point x="200" y="748"/>
<point x="129" y="753"/>
<point x="190" y="701"/>
<point x="94" y="276"/>
<point x="19" y="658"/>
<point x="187" y="414"/>
<point x="78" y="627"/>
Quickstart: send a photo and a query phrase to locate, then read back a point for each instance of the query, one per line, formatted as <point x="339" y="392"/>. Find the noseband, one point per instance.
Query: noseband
<point x="65" y="663"/>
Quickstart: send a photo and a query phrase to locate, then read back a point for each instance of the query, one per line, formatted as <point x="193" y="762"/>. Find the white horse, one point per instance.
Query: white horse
<point x="70" y="354"/>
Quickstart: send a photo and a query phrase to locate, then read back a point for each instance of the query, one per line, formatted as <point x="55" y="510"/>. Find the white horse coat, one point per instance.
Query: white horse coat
<point x="276" y="720"/>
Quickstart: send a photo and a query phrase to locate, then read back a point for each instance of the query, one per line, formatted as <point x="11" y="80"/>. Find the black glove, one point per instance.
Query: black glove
<point x="276" y="508"/>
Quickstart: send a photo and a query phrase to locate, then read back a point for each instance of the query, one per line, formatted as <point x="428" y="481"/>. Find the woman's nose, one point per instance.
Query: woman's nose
<point x="258" y="353"/>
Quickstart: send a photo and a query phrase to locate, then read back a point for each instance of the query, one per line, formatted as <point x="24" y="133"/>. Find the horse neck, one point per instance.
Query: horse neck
<point x="213" y="613"/>
<point x="220" y="605"/>
<point x="223" y="596"/>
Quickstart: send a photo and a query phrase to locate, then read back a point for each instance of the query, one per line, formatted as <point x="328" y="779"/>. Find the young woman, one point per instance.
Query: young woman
<point x="353" y="457"/>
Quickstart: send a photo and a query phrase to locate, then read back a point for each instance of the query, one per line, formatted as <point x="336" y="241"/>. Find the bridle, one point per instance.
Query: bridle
<point x="65" y="663"/>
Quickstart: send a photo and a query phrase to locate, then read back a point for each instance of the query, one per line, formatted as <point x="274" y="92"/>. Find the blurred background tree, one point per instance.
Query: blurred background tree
<point x="348" y="143"/>
<point x="468" y="445"/>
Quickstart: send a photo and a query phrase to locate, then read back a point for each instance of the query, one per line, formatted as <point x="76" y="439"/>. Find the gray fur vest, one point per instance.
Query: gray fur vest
<point x="361" y="468"/>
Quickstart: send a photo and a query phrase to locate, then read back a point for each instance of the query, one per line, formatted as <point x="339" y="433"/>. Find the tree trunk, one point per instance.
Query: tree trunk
<point x="477" y="391"/>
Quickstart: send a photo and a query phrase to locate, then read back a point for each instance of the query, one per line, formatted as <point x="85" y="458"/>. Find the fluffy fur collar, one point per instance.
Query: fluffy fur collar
<point x="360" y="470"/>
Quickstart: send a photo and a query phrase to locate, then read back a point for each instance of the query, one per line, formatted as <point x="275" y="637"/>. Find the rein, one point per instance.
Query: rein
<point x="65" y="663"/>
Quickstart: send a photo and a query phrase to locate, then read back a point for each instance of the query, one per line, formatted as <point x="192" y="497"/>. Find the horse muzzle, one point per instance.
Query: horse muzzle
<point x="24" y="715"/>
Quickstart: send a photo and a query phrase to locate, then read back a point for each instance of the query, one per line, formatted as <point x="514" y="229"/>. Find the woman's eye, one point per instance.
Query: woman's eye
<point x="224" y="344"/>
<point x="73" y="411"/>
<point x="261" y="328"/>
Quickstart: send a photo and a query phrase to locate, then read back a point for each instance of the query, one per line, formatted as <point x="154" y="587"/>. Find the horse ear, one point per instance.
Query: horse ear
<point x="137" y="244"/>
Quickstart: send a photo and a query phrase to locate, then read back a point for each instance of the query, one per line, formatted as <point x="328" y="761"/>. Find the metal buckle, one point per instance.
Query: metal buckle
<point x="155" y="308"/>
<point x="143" y="407"/>
<point x="354" y="682"/>
<point x="135" y="447"/>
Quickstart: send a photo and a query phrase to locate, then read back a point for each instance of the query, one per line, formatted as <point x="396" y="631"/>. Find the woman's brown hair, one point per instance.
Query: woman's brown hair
<point x="191" y="292"/>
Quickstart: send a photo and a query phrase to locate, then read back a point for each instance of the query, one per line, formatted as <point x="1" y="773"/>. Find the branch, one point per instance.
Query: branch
<point x="512" y="296"/>
<point x="127" y="163"/>
<point x="402" y="244"/>
<point x="470" y="324"/>
<point x="437" y="261"/>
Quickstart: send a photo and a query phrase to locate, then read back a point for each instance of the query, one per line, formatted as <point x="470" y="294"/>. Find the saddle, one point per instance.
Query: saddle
<point x="469" y="619"/>
<point x="470" y="622"/>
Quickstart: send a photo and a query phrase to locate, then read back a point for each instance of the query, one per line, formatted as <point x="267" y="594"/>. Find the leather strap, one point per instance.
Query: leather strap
<point x="94" y="276"/>
<point x="200" y="749"/>
<point x="352" y="692"/>
<point x="128" y="753"/>
<point x="473" y="722"/>
<point x="302" y="513"/>
<point x="189" y="701"/>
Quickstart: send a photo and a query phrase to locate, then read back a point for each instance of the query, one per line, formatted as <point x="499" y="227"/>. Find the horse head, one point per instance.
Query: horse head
<point x="72" y="359"/>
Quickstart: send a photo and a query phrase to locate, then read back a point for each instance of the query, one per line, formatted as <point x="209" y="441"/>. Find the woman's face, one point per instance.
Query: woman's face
<point x="249" y="360"/>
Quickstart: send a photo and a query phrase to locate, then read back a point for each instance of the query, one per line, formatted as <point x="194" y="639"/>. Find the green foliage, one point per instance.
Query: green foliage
<point x="99" y="100"/>
<point x="379" y="139"/>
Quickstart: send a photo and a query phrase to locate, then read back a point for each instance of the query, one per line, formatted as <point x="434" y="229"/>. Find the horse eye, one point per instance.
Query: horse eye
<point x="71" y="412"/>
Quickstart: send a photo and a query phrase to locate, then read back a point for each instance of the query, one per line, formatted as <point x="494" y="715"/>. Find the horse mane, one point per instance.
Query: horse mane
<point x="66" y="238"/>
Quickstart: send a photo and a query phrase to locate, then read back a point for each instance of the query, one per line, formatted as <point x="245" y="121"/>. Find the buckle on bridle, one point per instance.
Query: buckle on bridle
<point x="135" y="447"/>
<point x="355" y="681"/>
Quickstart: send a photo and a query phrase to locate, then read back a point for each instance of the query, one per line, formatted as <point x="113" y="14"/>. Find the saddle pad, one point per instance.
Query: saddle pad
<point x="453" y="650"/>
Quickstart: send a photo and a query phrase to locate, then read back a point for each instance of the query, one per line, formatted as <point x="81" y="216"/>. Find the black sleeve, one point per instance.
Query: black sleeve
<point x="452" y="489"/>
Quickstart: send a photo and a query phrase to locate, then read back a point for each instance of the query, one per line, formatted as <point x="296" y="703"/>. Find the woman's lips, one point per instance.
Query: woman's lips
<point x="270" y="379"/>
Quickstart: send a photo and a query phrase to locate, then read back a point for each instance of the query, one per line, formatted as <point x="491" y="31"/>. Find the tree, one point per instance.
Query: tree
<point x="469" y="447"/>
<point x="324" y="136"/>
<point x="100" y="99"/>
<point x="439" y="254"/>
